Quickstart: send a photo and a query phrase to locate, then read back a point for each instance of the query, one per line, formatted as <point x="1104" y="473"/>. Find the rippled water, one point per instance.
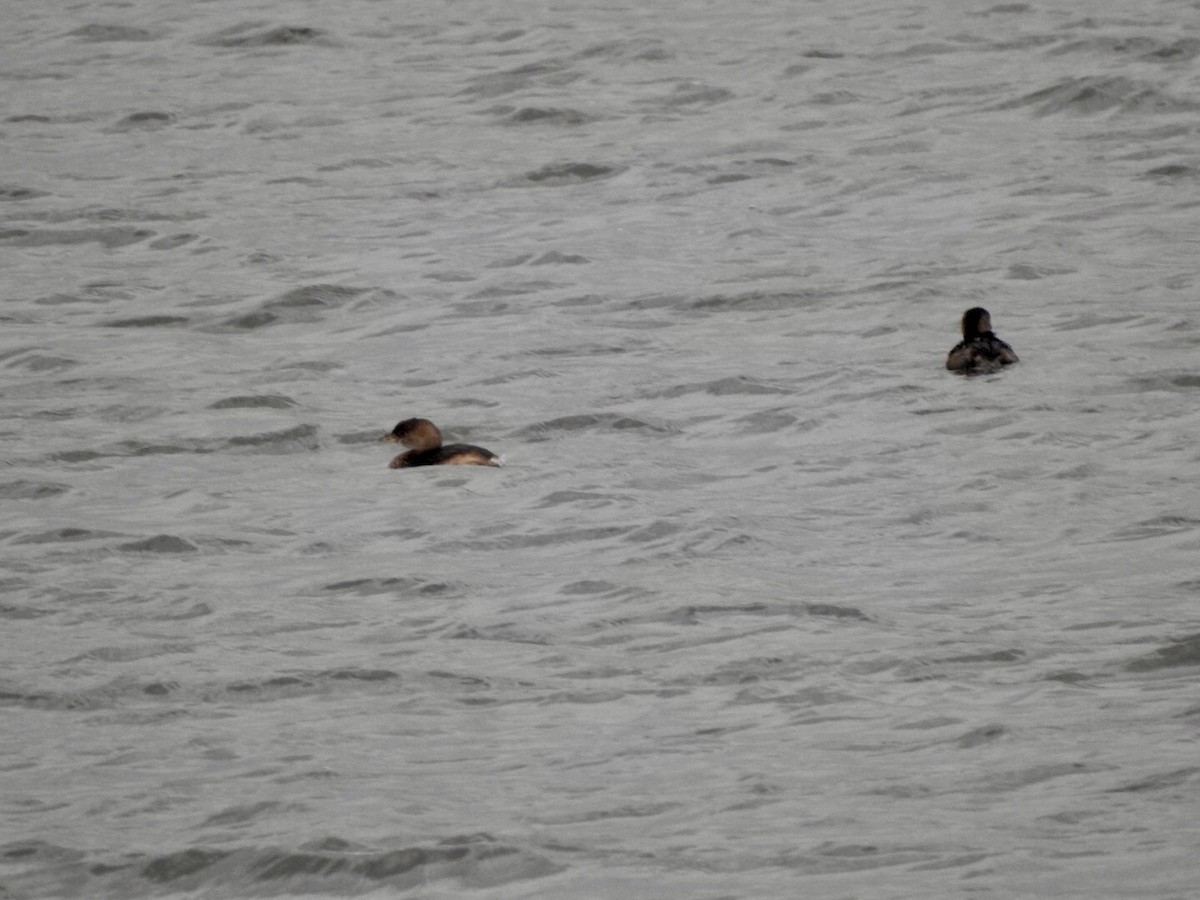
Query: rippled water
<point x="763" y="604"/>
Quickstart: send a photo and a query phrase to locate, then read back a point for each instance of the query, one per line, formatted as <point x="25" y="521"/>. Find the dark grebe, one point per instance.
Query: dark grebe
<point x="425" y="448"/>
<point x="979" y="352"/>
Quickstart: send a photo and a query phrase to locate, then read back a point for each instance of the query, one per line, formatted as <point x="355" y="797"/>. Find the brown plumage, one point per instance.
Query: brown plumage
<point x="424" y="441"/>
<point x="979" y="352"/>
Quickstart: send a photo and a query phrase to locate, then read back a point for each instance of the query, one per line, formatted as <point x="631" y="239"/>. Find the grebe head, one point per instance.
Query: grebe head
<point x="976" y="321"/>
<point x="417" y="434"/>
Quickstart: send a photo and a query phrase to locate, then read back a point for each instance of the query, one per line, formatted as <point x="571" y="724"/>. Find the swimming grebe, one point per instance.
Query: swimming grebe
<point x="425" y="448"/>
<point x="979" y="352"/>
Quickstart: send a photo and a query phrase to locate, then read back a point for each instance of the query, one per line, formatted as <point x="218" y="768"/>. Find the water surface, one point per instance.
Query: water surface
<point x="763" y="604"/>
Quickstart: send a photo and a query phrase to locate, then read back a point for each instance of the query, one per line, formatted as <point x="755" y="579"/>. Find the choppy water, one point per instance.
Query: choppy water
<point x="764" y="603"/>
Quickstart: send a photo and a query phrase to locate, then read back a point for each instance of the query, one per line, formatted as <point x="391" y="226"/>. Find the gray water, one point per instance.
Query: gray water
<point x="764" y="603"/>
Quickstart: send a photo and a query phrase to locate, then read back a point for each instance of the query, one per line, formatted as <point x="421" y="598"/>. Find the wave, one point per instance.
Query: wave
<point x="330" y="866"/>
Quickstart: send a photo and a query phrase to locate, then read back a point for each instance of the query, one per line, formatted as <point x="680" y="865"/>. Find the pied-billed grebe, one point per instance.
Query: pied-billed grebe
<point x="980" y="351"/>
<point x="425" y="448"/>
